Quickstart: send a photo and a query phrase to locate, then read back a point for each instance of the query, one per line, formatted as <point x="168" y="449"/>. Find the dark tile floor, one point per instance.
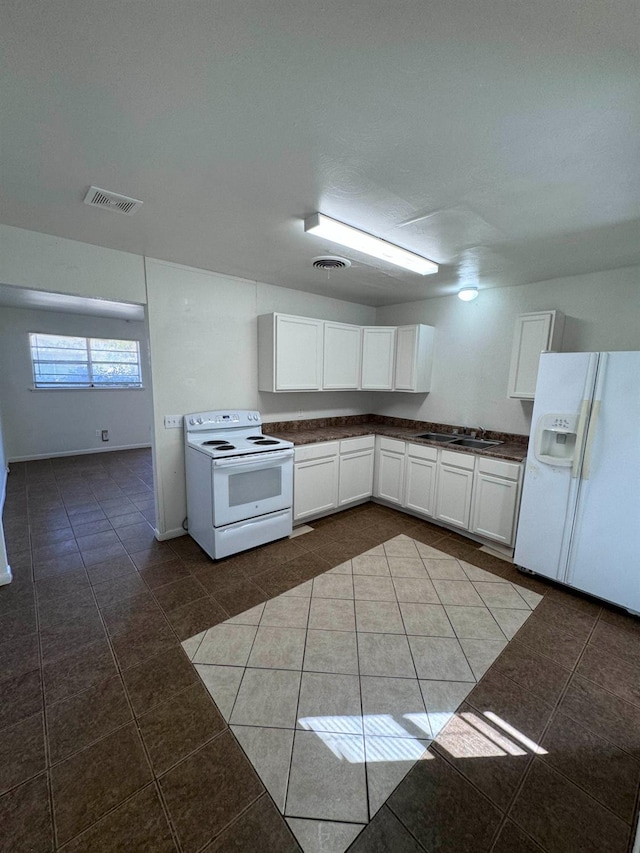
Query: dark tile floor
<point x="110" y="743"/>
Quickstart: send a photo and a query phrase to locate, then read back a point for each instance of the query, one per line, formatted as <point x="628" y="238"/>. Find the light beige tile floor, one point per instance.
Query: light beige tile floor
<point x="337" y="687"/>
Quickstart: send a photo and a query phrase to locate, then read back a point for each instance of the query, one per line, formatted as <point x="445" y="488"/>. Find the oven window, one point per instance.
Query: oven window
<point x="253" y="486"/>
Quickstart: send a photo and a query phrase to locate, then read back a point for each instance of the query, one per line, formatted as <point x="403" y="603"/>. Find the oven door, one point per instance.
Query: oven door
<point x="249" y="486"/>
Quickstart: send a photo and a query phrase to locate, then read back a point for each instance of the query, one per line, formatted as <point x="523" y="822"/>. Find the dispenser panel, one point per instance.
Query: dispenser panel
<point x="555" y="439"/>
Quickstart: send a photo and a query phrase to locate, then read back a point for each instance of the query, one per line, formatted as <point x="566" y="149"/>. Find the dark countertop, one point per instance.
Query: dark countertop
<point x="513" y="448"/>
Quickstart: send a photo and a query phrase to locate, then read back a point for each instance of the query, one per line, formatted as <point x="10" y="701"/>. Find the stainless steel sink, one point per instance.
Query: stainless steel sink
<point x="437" y="436"/>
<point x="477" y="443"/>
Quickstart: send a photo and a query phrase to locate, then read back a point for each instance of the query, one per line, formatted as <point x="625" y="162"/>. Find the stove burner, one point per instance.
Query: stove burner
<point x="219" y="445"/>
<point x="267" y="441"/>
<point x="255" y="437"/>
<point x="215" y="443"/>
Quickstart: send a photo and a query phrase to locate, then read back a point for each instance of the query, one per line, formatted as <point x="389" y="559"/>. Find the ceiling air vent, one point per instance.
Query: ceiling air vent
<point x="111" y="201"/>
<point x="331" y="263"/>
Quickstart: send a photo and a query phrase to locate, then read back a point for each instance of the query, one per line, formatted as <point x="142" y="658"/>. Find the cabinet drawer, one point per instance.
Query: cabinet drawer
<point x="421" y="451"/>
<point x="508" y="470"/>
<point x="316" y="451"/>
<point x="391" y="444"/>
<point x="365" y="442"/>
<point x="459" y="460"/>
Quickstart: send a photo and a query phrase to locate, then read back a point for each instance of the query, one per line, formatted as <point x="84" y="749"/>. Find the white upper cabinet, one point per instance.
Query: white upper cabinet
<point x="342" y="353"/>
<point x="414" y="358"/>
<point x="289" y="353"/>
<point x="306" y="354"/>
<point x="537" y="332"/>
<point x="378" y="358"/>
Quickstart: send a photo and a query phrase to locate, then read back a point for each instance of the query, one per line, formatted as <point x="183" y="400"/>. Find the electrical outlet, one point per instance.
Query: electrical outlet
<point x="98" y="431"/>
<point x="172" y="421"/>
<point x="104" y="434"/>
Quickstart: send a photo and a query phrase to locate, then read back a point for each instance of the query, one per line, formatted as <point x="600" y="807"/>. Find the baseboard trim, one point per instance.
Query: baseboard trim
<point x="90" y="450"/>
<point x="170" y="534"/>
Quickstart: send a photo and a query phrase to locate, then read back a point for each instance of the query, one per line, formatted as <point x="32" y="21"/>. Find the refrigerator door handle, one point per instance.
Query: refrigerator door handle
<point x="586" y="465"/>
<point x="591" y="388"/>
<point x="595" y="413"/>
<point x="582" y="424"/>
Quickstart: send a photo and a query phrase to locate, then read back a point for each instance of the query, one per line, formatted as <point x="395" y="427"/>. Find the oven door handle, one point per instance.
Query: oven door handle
<point x="253" y="459"/>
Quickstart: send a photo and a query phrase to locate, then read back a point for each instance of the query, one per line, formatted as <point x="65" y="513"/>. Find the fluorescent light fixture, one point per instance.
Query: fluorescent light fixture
<point x="345" y="235"/>
<point x="467" y="293"/>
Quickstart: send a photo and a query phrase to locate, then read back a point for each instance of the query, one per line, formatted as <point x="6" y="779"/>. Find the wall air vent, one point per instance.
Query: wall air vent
<point x="331" y="263"/>
<point x="111" y="201"/>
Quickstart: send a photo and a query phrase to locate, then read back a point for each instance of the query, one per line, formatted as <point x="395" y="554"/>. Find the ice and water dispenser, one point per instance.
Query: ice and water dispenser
<point x="555" y="439"/>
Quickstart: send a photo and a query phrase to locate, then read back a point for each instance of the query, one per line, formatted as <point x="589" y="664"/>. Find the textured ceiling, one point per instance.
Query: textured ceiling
<point x="498" y="138"/>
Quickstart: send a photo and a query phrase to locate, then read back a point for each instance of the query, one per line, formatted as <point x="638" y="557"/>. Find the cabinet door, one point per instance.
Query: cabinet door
<point x="414" y="358"/>
<point x="356" y="476"/>
<point x="342" y="352"/>
<point x="534" y="333"/>
<point x="390" y="479"/>
<point x="378" y="351"/>
<point x="494" y="508"/>
<point x="298" y="355"/>
<point x="420" y="490"/>
<point x="315" y="487"/>
<point x="453" y="503"/>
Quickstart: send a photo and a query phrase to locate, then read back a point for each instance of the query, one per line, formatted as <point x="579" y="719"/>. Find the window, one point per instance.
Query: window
<point x="61" y="361"/>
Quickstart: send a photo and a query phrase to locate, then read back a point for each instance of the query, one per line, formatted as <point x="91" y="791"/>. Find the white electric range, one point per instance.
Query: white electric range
<point x="239" y="482"/>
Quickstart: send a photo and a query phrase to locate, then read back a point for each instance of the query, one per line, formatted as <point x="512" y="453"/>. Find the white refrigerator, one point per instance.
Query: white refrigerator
<point x="580" y="512"/>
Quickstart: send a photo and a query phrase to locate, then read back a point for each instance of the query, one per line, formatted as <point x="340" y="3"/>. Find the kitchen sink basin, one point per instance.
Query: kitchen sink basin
<point x="437" y="436"/>
<point x="476" y="443"/>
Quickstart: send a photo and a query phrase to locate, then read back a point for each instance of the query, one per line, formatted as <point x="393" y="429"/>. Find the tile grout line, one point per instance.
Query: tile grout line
<point x="295" y="722"/>
<point x="504" y="812"/>
<point x="133" y="719"/>
<point x="557" y="703"/>
<point x="370" y="816"/>
<point x="50" y="764"/>
<point x="541" y="737"/>
<point x="45" y="729"/>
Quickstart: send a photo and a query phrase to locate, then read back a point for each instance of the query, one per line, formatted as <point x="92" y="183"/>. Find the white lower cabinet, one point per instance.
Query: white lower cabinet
<point x="356" y="469"/>
<point x="315" y="484"/>
<point x="390" y="470"/>
<point x="421" y="467"/>
<point x="455" y="484"/>
<point x="459" y="489"/>
<point x="496" y="493"/>
<point x="332" y="474"/>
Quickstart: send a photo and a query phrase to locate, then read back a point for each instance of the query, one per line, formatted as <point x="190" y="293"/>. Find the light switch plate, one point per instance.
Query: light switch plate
<point x="172" y="421"/>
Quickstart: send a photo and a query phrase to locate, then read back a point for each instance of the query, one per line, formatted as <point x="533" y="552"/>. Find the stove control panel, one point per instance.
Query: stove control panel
<point x="221" y="420"/>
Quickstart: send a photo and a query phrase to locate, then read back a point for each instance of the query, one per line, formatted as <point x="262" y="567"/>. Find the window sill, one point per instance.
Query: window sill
<point x="96" y="388"/>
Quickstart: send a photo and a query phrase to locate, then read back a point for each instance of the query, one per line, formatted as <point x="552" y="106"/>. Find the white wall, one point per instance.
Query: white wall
<point x="473" y="343"/>
<point x="45" y="423"/>
<point x="43" y="262"/>
<point x="203" y="335"/>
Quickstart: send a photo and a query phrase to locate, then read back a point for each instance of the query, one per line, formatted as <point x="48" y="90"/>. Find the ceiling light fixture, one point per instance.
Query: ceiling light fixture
<point x="337" y="232"/>
<point x="467" y="293"/>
